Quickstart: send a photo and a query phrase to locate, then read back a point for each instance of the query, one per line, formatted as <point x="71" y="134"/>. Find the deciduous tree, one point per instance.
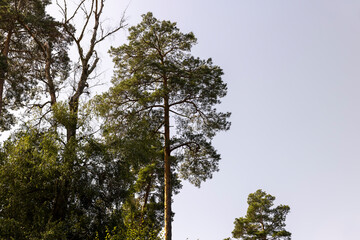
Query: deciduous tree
<point x="88" y="191"/>
<point x="65" y="115"/>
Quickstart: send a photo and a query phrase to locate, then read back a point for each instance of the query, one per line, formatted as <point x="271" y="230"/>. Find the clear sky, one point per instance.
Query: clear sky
<point x="292" y="69"/>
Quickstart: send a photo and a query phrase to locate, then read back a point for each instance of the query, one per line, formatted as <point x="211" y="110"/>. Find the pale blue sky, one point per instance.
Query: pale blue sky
<point x="292" y="68"/>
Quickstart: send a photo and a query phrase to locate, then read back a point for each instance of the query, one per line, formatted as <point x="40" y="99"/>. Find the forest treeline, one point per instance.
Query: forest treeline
<point x="84" y="166"/>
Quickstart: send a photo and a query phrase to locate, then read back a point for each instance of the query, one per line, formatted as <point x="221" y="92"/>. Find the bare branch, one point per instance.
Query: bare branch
<point x="88" y="17"/>
<point x="120" y="26"/>
<point x="38" y="105"/>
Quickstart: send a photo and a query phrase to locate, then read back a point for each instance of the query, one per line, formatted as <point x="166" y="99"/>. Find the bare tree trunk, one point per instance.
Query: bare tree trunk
<point x="61" y="199"/>
<point x="71" y="129"/>
<point x="89" y="61"/>
<point x="50" y="81"/>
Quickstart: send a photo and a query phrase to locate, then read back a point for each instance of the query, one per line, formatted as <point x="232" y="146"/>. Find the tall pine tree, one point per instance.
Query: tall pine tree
<point x="157" y="80"/>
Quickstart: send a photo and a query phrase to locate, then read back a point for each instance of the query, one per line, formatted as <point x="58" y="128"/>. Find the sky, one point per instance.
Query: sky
<point x="293" y="75"/>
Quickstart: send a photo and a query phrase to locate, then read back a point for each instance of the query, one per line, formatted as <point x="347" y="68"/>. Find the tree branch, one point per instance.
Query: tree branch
<point x="186" y="144"/>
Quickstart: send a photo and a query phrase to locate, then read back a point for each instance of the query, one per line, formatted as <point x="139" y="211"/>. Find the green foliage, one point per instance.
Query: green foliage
<point x="25" y="28"/>
<point x="262" y="222"/>
<point x="28" y="171"/>
<point x="36" y="168"/>
<point x="56" y="185"/>
<point x="156" y="82"/>
<point x="140" y="153"/>
<point x="156" y="65"/>
<point x="62" y="116"/>
<point x="133" y="232"/>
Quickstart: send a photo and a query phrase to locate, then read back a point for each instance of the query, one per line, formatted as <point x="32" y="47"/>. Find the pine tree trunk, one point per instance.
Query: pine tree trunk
<point x="2" y="81"/>
<point x="167" y="168"/>
<point x="4" y="67"/>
